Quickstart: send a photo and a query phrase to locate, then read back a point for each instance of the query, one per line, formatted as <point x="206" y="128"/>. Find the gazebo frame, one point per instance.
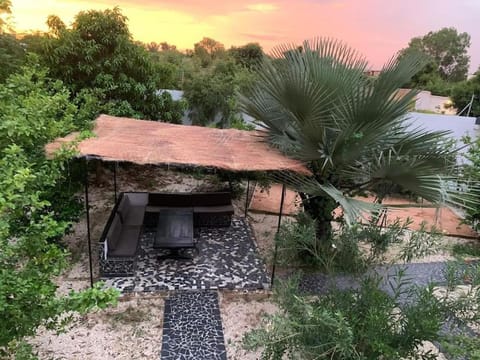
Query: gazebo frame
<point x="155" y="143"/>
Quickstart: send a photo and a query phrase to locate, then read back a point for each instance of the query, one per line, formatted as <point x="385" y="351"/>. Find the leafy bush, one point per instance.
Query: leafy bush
<point x="350" y="324"/>
<point x="471" y="249"/>
<point x="471" y="175"/>
<point x="33" y="111"/>
<point x="461" y="347"/>
<point x="298" y="244"/>
<point x="369" y="322"/>
<point x="420" y="243"/>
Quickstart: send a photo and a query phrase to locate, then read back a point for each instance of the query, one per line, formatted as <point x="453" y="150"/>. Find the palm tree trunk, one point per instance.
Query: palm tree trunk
<point x="321" y="209"/>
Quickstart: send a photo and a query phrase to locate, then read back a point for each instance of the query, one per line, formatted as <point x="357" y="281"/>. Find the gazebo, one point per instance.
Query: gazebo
<point x="142" y="142"/>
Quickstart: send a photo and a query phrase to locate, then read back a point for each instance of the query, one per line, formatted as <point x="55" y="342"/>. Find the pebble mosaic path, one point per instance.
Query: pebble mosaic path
<point x="226" y="259"/>
<point x="192" y="327"/>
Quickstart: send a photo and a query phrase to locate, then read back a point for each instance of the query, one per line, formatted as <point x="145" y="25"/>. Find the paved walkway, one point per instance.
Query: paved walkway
<point x="192" y="327"/>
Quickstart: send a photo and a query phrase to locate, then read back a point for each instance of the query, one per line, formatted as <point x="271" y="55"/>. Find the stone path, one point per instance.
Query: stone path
<point x="192" y="327"/>
<point x="420" y="274"/>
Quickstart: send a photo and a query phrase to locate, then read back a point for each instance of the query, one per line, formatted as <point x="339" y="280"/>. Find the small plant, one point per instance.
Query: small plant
<point x="461" y="347"/>
<point x="466" y="250"/>
<point x="350" y="324"/>
<point x="420" y="243"/>
<point x="382" y="237"/>
<point x="297" y="243"/>
<point x="368" y="322"/>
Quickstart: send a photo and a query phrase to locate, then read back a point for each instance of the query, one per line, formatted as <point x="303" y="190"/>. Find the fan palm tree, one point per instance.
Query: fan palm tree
<point x="319" y="107"/>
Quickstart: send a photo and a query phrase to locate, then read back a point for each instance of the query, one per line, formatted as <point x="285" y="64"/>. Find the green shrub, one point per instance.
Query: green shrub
<point x="462" y="250"/>
<point x="349" y="324"/>
<point x="361" y="323"/>
<point x="420" y="243"/>
<point x="461" y="347"/>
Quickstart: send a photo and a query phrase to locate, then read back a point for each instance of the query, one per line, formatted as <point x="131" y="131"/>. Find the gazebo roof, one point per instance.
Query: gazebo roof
<point x="157" y="143"/>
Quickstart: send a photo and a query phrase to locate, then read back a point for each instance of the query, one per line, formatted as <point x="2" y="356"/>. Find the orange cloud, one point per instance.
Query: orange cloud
<point x="262" y="7"/>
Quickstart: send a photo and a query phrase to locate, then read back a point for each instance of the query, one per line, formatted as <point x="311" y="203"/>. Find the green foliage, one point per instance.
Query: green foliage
<point x="461" y="347"/>
<point x="33" y="111"/>
<point x="462" y="250"/>
<point x="98" y="54"/>
<point x="297" y="243"/>
<point x="35" y="200"/>
<point x="471" y="175"/>
<point x="447" y="50"/>
<point x="356" y="139"/>
<point x="350" y="324"/>
<point x="368" y="323"/>
<point x="207" y="50"/>
<point x="238" y="123"/>
<point x="211" y="93"/>
<point x="12" y="55"/>
<point x="351" y="249"/>
<point x="420" y="243"/>
<point x="462" y="95"/>
<point x="249" y="55"/>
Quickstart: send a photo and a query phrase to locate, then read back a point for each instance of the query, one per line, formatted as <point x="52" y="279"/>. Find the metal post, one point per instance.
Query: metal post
<point x="246" y="197"/>
<point x="115" y="180"/>
<point x="278" y="230"/>
<point x="87" y="208"/>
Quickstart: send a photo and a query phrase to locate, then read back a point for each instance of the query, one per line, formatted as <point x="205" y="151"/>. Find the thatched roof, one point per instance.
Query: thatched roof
<point x="157" y="143"/>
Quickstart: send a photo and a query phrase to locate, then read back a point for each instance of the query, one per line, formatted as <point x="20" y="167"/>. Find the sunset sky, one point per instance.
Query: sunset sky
<point x="377" y="28"/>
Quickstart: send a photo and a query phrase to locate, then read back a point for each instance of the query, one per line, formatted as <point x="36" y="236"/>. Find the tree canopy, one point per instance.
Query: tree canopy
<point x="35" y="208"/>
<point x="467" y="92"/>
<point x="98" y="54"/>
<point x="320" y="108"/>
<point x="447" y="51"/>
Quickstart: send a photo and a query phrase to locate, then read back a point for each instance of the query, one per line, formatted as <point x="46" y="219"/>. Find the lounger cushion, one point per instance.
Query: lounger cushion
<point x="211" y="199"/>
<point x="114" y="233"/>
<point x="129" y="213"/>
<point x="224" y="209"/>
<point x="170" y="200"/>
<point x="128" y="242"/>
<point x="137" y="199"/>
<point x="134" y="216"/>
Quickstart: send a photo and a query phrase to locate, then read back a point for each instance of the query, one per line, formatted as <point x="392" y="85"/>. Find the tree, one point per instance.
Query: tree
<point x="318" y="107"/>
<point x="207" y="50"/>
<point x="12" y="55"/>
<point x="464" y="92"/>
<point x="164" y="46"/>
<point x="5" y="9"/>
<point x="447" y="50"/>
<point x="33" y="111"/>
<point x="211" y="93"/>
<point x="249" y="55"/>
<point x="97" y="53"/>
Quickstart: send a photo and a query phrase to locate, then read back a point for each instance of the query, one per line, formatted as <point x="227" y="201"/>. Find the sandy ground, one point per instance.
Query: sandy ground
<point x="133" y="330"/>
<point x="241" y="313"/>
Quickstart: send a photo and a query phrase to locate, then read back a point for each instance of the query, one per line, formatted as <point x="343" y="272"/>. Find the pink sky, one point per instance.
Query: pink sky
<point x="377" y="28"/>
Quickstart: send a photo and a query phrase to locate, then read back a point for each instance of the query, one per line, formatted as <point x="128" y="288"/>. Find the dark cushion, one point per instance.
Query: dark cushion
<point x="212" y="199"/>
<point x="134" y="216"/>
<point x="137" y="198"/>
<point x="224" y="209"/>
<point x="128" y="242"/>
<point x="124" y="206"/>
<point x="170" y="200"/>
<point x="114" y="232"/>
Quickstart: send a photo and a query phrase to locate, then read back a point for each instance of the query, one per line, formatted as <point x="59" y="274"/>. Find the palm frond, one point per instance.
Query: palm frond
<point x="353" y="209"/>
